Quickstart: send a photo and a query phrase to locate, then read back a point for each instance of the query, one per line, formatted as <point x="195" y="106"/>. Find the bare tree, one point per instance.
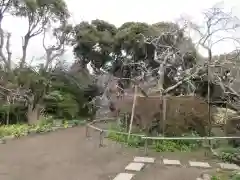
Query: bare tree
<point x="5" y="6"/>
<point x="217" y="22"/>
<point x="170" y="57"/>
<point x="218" y="26"/>
<point x="6" y="58"/>
<point x="62" y="35"/>
<point x="39" y="14"/>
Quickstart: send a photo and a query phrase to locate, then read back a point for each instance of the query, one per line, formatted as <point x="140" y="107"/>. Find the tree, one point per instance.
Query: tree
<point x="28" y="91"/>
<point x="94" y="43"/>
<point x="217" y="22"/>
<point x="62" y="35"/>
<point x="33" y="85"/>
<point x="39" y="14"/>
<point x="130" y="39"/>
<point x="144" y="43"/>
<point x="5" y="7"/>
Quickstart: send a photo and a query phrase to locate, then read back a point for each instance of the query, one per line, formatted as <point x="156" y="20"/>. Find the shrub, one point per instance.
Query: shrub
<point x="44" y="125"/>
<point x="157" y="145"/>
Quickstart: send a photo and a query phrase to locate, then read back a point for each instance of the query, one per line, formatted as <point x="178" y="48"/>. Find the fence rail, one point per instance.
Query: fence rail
<point x="190" y="138"/>
<point x="146" y="138"/>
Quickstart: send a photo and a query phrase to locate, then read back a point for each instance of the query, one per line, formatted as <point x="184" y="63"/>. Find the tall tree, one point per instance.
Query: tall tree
<point x="39" y="14"/>
<point x="94" y="43"/>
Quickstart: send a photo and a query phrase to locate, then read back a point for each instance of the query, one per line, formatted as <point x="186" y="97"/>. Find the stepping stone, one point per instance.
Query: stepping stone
<point x="171" y="162"/>
<point x="124" y="176"/>
<point x="199" y="164"/>
<point x="144" y="159"/>
<point x="134" y="166"/>
<point x="229" y="166"/>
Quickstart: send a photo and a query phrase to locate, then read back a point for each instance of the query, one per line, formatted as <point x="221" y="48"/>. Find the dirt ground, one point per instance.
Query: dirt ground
<point x="68" y="155"/>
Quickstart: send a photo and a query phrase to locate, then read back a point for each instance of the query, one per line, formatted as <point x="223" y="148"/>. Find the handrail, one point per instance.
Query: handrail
<point x="146" y="138"/>
<point x="190" y="138"/>
<point x="156" y="138"/>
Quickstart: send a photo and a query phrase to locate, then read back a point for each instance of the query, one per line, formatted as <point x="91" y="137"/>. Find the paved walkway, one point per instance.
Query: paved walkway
<point x="61" y="155"/>
<point x="68" y="155"/>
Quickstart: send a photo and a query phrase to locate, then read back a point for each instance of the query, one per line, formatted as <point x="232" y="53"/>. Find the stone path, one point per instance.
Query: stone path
<point x="139" y="162"/>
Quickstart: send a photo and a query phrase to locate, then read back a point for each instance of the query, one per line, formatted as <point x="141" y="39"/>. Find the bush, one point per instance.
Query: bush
<point x="230" y="154"/>
<point x="45" y="125"/>
<point x="226" y="175"/>
<point x="157" y="145"/>
<point x="236" y="177"/>
<point x="15" y="130"/>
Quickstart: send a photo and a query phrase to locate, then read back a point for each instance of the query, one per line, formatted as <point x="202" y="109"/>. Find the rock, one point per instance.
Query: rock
<point x="206" y="177"/>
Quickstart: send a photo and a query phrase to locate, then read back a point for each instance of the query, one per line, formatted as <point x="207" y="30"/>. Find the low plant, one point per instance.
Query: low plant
<point x="229" y="154"/>
<point x="226" y="175"/>
<point x="45" y="125"/>
<point x="236" y="176"/>
<point x="15" y="130"/>
<point x="157" y="145"/>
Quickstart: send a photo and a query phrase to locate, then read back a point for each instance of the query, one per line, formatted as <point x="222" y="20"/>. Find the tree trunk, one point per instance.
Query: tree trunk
<point x="8" y="110"/>
<point x="24" y="50"/>
<point x="8" y="117"/>
<point x="33" y="114"/>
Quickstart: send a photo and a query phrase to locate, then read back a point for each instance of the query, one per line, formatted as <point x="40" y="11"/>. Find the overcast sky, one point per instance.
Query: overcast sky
<point x="118" y="12"/>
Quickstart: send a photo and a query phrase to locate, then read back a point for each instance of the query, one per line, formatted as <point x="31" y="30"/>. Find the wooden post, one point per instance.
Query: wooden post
<point x="133" y="111"/>
<point x="146" y="147"/>
<point x="164" y="106"/>
<point x="101" y="139"/>
<point x="87" y="131"/>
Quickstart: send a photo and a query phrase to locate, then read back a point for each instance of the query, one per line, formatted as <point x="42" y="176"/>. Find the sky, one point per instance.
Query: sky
<point x="118" y="12"/>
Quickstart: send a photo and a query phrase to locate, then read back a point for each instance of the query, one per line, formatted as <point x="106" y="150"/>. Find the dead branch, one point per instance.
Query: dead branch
<point x="216" y="21"/>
